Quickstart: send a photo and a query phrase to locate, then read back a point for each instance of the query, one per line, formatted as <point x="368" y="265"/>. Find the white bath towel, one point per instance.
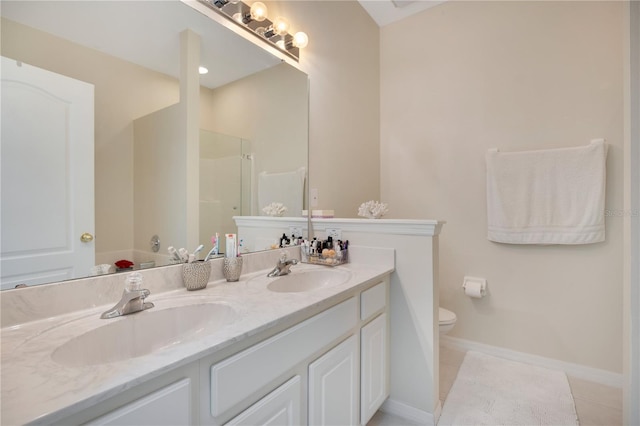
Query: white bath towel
<point x="548" y="196"/>
<point x="286" y="188"/>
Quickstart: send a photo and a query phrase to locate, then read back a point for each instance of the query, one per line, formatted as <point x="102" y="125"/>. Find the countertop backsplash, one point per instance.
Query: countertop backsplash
<point x="23" y="305"/>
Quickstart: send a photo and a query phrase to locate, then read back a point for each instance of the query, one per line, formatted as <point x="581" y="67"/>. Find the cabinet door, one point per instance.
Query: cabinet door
<point x="333" y="386"/>
<point x="374" y="388"/>
<point x="170" y="405"/>
<point x="281" y="407"/>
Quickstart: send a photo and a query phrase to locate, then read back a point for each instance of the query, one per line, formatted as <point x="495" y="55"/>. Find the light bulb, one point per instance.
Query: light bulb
<point x="202" y="70"/>
<point x="280" y="26"/>
<point x="258" y="11"/>
<point x="300" y="40"/>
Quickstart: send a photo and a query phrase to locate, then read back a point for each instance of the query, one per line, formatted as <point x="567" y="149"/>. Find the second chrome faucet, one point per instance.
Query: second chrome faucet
<point x="283" y="266"/>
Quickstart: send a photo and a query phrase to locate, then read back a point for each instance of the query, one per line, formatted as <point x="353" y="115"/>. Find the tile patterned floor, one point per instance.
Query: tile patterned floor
<point x="596" y="404"/>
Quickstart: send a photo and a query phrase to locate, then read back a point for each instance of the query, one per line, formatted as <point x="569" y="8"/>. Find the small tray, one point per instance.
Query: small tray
<point x="318" y="259"/>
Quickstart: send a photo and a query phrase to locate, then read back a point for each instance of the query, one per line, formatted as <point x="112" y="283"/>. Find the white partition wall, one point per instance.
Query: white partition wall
<point x="413" y="298"/>
<point x="413" y="307"/>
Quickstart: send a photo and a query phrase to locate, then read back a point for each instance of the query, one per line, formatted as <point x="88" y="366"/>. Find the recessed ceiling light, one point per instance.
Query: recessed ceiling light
<point x="202" y="70"/>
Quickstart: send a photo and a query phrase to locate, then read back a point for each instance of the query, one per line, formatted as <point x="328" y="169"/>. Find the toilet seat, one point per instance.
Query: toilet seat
<point x="446" y="317"/>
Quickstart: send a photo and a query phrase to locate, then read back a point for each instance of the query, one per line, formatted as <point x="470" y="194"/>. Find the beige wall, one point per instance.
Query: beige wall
<point x="464" y="77"/>
<point x="342" y="61"/>
<point x="159" y="168"/>
<point x="445" y="86"/>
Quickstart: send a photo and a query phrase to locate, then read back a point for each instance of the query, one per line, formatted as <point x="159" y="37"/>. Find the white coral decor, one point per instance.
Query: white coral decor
<point x="373" y="209"/>
<point x="275" y="209"/>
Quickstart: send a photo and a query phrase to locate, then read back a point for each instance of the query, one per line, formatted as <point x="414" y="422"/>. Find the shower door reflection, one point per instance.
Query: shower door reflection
<point x="226" y="175"/>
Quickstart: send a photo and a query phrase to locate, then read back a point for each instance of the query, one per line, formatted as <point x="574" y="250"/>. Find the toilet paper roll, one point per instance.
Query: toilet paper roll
<point x="475" y="288"/>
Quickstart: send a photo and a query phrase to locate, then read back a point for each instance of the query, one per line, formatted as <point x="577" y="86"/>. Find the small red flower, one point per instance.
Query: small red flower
<point x="124" y="264"/>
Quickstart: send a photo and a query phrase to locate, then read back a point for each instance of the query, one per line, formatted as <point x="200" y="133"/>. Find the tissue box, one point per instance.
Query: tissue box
<point x="320" y="214"/>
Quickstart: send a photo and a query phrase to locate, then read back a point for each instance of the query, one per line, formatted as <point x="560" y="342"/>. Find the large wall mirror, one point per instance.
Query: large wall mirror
<point x="253" y="124"/>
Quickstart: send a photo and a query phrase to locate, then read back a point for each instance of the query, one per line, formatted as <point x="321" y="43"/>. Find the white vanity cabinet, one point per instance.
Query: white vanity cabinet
<point x="338" y="358"/>
<point x="244" y="378"/>
<point x="330" y="369"/>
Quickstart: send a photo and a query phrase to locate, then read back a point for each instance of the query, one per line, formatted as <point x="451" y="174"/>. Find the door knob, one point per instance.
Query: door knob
<point x="86" y="237"/>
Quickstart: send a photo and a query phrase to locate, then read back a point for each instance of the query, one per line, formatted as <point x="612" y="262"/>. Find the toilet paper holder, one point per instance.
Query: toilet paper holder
<point x="474" y="287"/>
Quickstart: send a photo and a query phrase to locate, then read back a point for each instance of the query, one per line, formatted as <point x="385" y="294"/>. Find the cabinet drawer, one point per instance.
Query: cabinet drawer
<point x="167" y="406"/>
<point x="280" y="407"/>
<point x="373" y="300"/>
<point x="237" y="377"/>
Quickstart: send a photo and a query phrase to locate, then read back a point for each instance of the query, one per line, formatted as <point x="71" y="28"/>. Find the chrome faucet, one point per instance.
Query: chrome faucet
<point x="283" y="266"/>
<point x="132" y="299"/>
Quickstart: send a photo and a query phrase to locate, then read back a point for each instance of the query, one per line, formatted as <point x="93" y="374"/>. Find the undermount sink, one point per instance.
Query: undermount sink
<point x="142" y="333"/>
<point x="299" y="281"/>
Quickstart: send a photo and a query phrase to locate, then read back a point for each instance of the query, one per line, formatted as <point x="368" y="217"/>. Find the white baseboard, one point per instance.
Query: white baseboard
<point x="574" y="370"/>
<point x="410" y="413"/>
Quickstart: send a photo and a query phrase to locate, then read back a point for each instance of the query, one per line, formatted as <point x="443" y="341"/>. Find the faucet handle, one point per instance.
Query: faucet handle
<point x="283" y="256"/>
<point x="133" y="281"/>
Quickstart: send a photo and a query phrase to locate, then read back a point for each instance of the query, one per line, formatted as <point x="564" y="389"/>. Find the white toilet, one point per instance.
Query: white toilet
<point x="447" y="320"/>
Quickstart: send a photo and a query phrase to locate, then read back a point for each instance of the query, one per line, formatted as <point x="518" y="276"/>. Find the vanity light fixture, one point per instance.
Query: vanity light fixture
<point x="254" y="19"/>
<point x="280" y="26"/>
<point x="258" y="11"/>
<point x="300" y="40"/>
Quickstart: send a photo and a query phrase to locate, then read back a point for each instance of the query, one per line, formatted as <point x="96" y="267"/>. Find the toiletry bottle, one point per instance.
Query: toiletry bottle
<point x="232" y="245"/>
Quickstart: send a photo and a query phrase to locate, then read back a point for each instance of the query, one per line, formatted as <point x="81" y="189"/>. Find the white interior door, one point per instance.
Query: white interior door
<point x="46" y="176"/>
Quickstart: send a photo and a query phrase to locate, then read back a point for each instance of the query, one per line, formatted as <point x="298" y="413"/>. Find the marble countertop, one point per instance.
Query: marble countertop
<point x="35" y="388"/>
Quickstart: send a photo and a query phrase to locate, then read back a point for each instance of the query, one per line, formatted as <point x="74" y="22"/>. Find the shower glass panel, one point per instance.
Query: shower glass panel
<point x="225" y="183"/>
